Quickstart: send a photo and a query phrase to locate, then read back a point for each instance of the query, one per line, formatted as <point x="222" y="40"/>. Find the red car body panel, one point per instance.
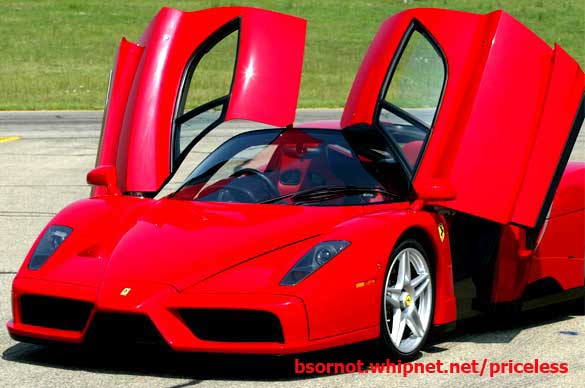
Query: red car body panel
<point x="559" y="254"/>
<point x="152" y="258"/>
<point x="506" y="111"/>
<point x="94" y="268"/>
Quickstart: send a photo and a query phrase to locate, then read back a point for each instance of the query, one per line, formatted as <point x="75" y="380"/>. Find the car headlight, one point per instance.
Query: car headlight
<point x="51" y="240"/>
<point x="313" y="260"/>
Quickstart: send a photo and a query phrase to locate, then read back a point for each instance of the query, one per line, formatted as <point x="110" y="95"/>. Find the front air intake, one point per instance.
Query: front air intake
<point x="123" y="329"/>
<point x="54" y="313"/>
<point x="227" y="325"/>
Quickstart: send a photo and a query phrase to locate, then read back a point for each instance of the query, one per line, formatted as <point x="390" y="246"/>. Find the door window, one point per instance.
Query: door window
<point x="413" y="95"/>
<point x="205" y="91"/>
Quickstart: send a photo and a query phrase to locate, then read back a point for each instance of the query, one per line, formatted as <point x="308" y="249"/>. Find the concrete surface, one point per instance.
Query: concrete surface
<point x="45" y="169"/>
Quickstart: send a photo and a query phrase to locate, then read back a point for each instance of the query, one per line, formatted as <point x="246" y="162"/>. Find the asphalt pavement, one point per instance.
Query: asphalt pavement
<point x="44" y="158"/>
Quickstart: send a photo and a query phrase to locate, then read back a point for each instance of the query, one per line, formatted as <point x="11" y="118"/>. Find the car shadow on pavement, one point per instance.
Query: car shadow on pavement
<point x="148" y="361"/>
<point x="504" y="327"/>
<point x="199" y="367"/>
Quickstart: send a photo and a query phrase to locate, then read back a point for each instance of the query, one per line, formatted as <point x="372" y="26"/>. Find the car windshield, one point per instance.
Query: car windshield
<point x="299" y="166"/>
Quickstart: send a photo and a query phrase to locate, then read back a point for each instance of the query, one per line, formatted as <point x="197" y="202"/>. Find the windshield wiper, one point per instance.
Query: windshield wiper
<point x="329" y="192"/>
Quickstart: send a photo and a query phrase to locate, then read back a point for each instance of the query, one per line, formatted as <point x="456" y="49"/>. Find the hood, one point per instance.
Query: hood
<point x="180" y="243"/>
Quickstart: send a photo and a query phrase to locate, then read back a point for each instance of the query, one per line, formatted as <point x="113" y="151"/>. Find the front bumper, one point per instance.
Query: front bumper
<point x="161" y="306"/>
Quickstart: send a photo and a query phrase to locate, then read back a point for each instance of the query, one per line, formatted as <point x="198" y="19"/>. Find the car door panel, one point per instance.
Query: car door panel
<point x="507" y="118"/>
<point x="264" y="87"/>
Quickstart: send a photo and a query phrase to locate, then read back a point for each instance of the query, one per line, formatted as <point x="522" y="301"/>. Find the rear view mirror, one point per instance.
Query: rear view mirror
<point x="436" y="191"/>
<point x="104" y="176"/>
<point x="302" y="150"/>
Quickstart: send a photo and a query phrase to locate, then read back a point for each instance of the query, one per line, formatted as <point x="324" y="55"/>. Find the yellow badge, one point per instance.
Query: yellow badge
<point x="441" y="232"/>
<point x="125" y="291"/>
<point x="408" y="300"/>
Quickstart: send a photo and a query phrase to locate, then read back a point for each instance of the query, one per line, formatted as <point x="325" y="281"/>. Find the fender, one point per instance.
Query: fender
<point x="426" y="223"/>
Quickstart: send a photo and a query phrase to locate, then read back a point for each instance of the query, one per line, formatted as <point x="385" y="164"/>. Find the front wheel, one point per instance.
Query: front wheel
<point x="407" y="301"/>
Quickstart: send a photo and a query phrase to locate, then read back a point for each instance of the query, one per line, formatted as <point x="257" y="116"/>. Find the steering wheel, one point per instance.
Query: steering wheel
<point x="227" y="194"/>
<point x="261" y="175"/>
<point x="232" y="193"/>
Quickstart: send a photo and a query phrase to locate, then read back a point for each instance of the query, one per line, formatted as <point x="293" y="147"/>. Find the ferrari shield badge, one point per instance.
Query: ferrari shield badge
<point x="441" y="229"/>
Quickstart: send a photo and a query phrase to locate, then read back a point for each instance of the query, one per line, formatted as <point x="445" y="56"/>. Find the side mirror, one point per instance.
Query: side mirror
<point x="436" y="191"/>
<point x="104" y="176"/>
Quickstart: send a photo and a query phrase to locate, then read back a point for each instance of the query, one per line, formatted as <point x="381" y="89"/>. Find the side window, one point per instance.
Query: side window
<point x="205" y="90"/>
<point x="413" y="95"/>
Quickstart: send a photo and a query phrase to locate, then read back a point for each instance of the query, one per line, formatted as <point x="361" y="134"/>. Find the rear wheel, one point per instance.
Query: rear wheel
<point x="407" y="300"/>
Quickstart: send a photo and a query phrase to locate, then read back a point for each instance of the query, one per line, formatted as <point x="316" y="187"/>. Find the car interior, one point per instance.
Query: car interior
<point x="297" y="160"/>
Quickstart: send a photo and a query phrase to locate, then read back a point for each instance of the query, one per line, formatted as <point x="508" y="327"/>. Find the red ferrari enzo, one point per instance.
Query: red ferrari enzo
<point x="444" y="191"/>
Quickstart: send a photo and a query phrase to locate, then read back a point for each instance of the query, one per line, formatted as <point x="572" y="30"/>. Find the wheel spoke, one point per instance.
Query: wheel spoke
<point x="413" y="321"/>
<point x="393" y="291"/>
<point x="403" y="270"/>
<point x="407" y="268"/>
<point x="392" y="301"/>
<point x="420" y="289"/>
<point x="419" y="279"/>
<point x="398" y="325"/>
